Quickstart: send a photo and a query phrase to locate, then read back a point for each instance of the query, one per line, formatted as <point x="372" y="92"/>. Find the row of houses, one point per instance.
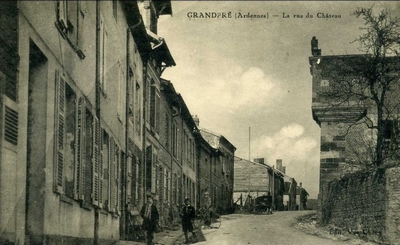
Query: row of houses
<point x="254" y="179"/>
<point x="89" y="127"/>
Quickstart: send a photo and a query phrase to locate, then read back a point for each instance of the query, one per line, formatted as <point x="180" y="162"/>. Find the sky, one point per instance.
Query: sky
<point x="249" y="79"/>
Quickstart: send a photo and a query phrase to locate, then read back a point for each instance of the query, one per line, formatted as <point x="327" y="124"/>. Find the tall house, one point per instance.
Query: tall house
<point x="221" y="172"/>
<point x="158" y="173"/>
<point x="64" y="176"/>
<point x="177" y="153"/>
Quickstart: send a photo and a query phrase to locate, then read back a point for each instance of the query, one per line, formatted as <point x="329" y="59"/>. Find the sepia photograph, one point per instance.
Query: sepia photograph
<point x="199" y="122"/>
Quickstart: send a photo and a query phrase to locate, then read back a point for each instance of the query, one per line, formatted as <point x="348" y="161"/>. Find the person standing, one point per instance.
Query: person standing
<point x="150" y="216"/>
<point x="188" y="214"/>
<point x="207" y="209"/>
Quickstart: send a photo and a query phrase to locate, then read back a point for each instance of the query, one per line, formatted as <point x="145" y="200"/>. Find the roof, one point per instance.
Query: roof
<point x="215" y="139"/>
<point x="135" y="22"/>
<point x="163" y="7"/>
<point x="160" y="49"/>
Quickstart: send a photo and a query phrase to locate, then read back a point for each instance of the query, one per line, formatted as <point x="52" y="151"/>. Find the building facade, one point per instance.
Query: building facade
<point x="348" y="120"/>
<point x="68" y="105"/>
<point x="89" y="127"/>
<point x="254" y="179"/>
<point x="216" y="168"/>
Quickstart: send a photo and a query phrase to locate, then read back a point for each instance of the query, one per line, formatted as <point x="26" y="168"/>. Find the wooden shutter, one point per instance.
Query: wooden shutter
<point x="129" y="178"/>
<point x="59" y="133"/>
<point x="62" y="13"/>
<point x="111" y="174"/>
<point x="149" y="166"/>
<point x="95" y="161"/>
<point x="114" y="176"/>
<point x="79" y="189"/>
<point x="121" y="180"/>
<point x="101" y="167"/>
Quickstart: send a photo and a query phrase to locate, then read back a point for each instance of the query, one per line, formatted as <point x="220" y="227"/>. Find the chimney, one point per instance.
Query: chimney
<point x="284" y="169"/>
<point x="314" y="47"/>
<point x="196" y="120"/>
<point x="259" y="160"/>
<point x="279" y="164"/>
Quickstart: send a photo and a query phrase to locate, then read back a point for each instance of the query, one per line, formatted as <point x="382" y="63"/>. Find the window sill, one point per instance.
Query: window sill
<point x="66" y="199"/>
<point x="63" y="33"/>
<point x="103" y="92"/>
<point x="86" y="206"/>
<point x="120" y="119"/>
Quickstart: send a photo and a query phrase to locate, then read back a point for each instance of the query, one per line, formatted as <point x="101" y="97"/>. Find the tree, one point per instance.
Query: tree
<point x="369" y="82"/>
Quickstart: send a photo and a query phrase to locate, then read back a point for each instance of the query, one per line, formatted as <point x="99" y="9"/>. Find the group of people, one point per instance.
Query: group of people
<point x="150" y="216"/>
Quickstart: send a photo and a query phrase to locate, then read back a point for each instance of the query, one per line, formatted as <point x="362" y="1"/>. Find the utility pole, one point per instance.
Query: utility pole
<point x="273" y="188"/>
<point x="249" y="141"/>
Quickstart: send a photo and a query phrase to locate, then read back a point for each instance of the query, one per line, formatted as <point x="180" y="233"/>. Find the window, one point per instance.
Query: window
<point x="167" y="183"/>
<point x="81" y="149"/>
<point x="132" y="88"/>
<point x="121" y="90"/>
<point x="154" y="107"/>
<point x="68" y="23"/>
<point x="88" y="148"/>
<point x="152" y="104"/>
<point x="114" y="181"/>
<point x="69" y="164"/>
<point x="103" y="55"/>
<point x="167" y="131"/>
<point x="67" y="123"/>
<point x="138" y="110"/>
<point x="136" y="180"/>
<point x="115" y="9"/>
<point x="160" y="182"/>
<point x="174" y="139"/>
<point x="105" y="163"/>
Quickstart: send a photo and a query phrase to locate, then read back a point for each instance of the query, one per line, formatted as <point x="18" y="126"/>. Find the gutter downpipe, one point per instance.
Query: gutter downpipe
<point x="97" y="95"/>
<point x="127" y="100"/>
<point x="144" y="159"/>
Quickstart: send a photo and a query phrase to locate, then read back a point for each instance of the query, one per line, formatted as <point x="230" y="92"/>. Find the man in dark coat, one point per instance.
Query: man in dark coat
<point x="150" y="216"/>
<point x="188" y="214"/>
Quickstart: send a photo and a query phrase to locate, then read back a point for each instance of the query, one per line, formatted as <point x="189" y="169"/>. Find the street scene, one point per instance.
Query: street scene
<point x="199" y="122"/>
<point x="281" y="228"/>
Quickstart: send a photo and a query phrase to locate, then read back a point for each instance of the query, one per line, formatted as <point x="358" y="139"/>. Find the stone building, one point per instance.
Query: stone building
<point x="347" y="141"/>
<point x="89" y="127"/>
<point x="216" y="168"/>
<point x="64" y="151"/>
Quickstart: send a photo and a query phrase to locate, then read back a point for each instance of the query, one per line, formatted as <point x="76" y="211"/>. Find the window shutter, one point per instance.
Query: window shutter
<point x="59" y="133"/>
<point x="121" y="179"/>
<point x="129" y="179"/>
<point x="157" y="113"/>
<point x="111" y="176"/>
<point x="114" y="176"/>
<point x="62" y="13"/>
<point x="101" y="167"/>
<point x="95" y="161"/>
<point x="149" y="166"/>
<point x="80" y="151"/>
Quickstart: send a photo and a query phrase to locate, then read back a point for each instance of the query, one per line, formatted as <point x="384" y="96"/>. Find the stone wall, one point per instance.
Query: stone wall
<point x="393" y="205"/>
<point x="365" y="203"/>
